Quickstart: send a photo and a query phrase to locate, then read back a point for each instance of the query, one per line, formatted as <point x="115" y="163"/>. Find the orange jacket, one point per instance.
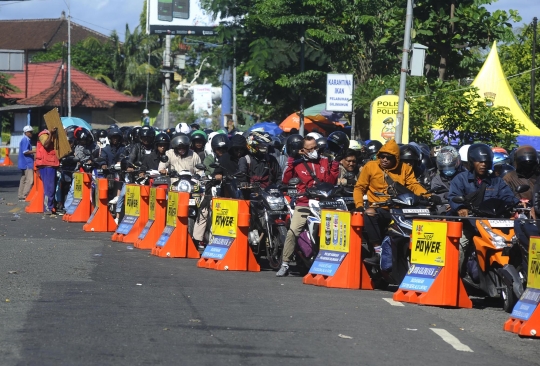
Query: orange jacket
<point x="372" y="180"/>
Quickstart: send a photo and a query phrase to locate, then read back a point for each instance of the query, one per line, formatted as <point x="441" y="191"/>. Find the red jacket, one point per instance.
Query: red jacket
<point x="323" y="169"/>
<point x="46" y="156"/>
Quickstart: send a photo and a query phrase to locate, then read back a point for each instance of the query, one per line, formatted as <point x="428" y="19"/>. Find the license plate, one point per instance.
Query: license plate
<point x="418" y="211"/>
<point x="192" y="202"/>
<point x="292" y="191"/>
<point x="501" y="223"/>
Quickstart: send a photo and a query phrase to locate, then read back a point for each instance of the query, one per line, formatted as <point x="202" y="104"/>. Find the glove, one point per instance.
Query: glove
<point x="436" y="200"/>
<point x="359" y="209"/>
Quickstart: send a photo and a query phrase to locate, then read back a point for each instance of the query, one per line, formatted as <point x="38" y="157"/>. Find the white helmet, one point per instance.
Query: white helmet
<point x="208" y="146"/>
<point x="463" y="152"/>
<point x="315" y="135"/>
<point x="355" y="145"/>
<point x="183" y="128"/>
<point x="146" y="111"/>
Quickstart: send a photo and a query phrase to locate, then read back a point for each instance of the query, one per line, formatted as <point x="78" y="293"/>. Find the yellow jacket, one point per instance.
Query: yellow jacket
<point x="372" y="180"/>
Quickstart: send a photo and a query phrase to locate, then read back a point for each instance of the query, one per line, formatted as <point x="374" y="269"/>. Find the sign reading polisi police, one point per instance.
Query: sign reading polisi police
<point x="339" y="92"/>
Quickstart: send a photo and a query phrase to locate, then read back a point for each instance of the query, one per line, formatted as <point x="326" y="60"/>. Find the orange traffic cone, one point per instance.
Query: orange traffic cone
<point x="7" y="161"/>
<point x="37" y="203"/>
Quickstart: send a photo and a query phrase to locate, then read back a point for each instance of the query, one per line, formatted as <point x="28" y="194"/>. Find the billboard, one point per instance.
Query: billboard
<point x="179" y="17"/>
<point x="383" y="119"/>
<point x="202" y="99"/>
<point x="339" y="92"/>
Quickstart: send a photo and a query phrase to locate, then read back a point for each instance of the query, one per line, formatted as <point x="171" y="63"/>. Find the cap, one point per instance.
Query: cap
<point x="28" y="129"/>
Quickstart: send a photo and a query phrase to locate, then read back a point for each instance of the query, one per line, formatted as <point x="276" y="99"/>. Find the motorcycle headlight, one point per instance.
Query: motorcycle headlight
<point x="275" y="203"/>
<point x="496" y="239"/>
<point x="184" y="186"/>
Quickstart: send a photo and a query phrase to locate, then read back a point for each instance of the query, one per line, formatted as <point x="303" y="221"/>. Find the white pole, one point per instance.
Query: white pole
<point x="234" y="88"/>
<point x="167" y="65"/>
<point x="404" y="70"/>
<point x="69" y="60"/>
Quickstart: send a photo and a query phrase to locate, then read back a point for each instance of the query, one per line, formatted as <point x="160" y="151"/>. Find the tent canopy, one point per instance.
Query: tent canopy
<point x="270" y="127"/>
<point x="323" y="127"/>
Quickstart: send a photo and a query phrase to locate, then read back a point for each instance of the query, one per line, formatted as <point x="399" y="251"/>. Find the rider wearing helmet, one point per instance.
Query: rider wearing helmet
<point x="145" y="146"/>
<point x="183" y="128"/>
<point x="526" y="172"/>
<point x="372" y="149"/>
<point x="463" y="156"/>
<point x="448" y="166"/>
<point x="259" y="166"/>
<point x="311" y="169"/>
<point x="115" y="151"/>
<point x="379" y="177"/>
<point x="180" y="156"/>
<point x="198" y="140"/>
<point x="500" y="170"/>
<point x="500" y="156"/>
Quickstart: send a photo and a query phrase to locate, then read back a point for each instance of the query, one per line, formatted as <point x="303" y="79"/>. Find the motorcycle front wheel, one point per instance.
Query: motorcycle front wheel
<point x="274" y="254"/>
<point x="508" y="297"/>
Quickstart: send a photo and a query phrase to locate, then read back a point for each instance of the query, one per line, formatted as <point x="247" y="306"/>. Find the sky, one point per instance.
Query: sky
<point x="107" y="15"/>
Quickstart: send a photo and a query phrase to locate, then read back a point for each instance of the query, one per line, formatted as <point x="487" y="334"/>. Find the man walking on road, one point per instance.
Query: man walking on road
<point x="26" y="163"/>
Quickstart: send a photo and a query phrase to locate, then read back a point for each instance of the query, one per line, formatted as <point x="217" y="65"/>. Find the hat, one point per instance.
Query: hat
<point x="28" y="129"/>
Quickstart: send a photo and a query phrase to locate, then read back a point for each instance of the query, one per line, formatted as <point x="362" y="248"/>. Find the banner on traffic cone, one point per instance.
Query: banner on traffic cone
<point x="4" y="157"/>
<point x="136" y="208"/>
<point x="101" y="219"/>
<point x="157" y="203"/>
<point x="80" y="208"/>
<point x="175" y="241"/>
<point x="339" y="262"/>
<point x="229" y="249"/>
<point x="525" y="317"/>
<point x="37" y="203"/>
<point x="433" y="277"/>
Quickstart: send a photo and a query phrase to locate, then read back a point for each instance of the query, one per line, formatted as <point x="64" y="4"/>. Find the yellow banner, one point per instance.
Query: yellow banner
<point x="383" y="119"/>
<point x="133" y="200"/>
<point x="172" y="207"/>
<point x="224" y="217"/>
<point x="428" y="242"/>
<point x="334" y="231"/>
<point x="533" y="278"/>
<point x="152" y="204"/>
<point x="77" y="190"/>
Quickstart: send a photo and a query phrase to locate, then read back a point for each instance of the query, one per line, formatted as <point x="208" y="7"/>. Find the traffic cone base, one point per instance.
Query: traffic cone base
<point x="101" y="220"/>
<point x="83" y="209"/>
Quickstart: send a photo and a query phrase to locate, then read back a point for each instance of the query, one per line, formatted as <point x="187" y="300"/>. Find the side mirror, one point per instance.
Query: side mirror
<point x="458" y="199"/>
<point x="294" y="181"/>
<point x="164" y="159"/>
<point x="200" y="166"/>
<point x="522" y="188"/>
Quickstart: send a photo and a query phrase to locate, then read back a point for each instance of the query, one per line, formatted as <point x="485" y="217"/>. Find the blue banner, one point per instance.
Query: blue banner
<point x="74" y="204"/>
<point x="527" y="304"/>
<point x="146" y="229"/>
<point x="327" y="262"/>
<point x="165" y="235"/>
<point x="126" y="225"/>
<point x="218" y="247"/>
<point x="420" y="277"/>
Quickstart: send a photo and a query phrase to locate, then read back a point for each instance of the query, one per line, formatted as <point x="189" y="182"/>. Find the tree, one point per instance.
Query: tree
<point x="452" y="30"/>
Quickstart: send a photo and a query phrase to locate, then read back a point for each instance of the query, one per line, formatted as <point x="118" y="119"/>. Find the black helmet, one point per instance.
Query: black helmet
<point x="82" y="134"/>
<point x="208" y="131"/>
<point x="115" y="132"/>
<point x="101" y="134"/>
<point x="134" y="135"/>
<point x="220" y="141"/>
<point x="162" y="138"/>
<point x="479" y="153"/>
<point x="294" y="144"/>
<point x="337" y="142"/>
<point x="127" y="135"/>
<point x="148" y="134"/>
<point x="410" y="152"/>
<point x="502" y="169"/>
<point x="322" y="144"/>
<point x="373" y="147"/>
<point x="238" y="141"/>
<point x="199" y="136"/>
<point x="276" y="143"/>
<point x="71" y="137"/>
<point x="182" y="140"/>
<point x="525" y="158"/>
<point x="258" y="142"/>
<point x="195" y="126"/>
<point x="170" y="132"/>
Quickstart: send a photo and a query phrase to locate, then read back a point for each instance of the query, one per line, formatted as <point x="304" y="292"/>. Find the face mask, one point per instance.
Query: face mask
<point x="449" y="173"/>
<point x="312" y="155"/>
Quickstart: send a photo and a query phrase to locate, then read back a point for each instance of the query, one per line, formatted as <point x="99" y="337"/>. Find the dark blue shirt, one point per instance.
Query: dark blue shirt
<point x="113" y="154"/>
<point x="25" y="161"/>
<point x="466" y="183"/>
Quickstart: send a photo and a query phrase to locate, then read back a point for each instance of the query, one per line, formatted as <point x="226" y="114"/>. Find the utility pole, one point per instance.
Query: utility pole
<point x="302" y="51"/>
<point x="404" y="70"/>
<point x="235" y="119"/>
<point x="69" y="60"/>
<point x="147" y="79"/>
<point x="167" y="91"/>
<point x="533" y="67"/>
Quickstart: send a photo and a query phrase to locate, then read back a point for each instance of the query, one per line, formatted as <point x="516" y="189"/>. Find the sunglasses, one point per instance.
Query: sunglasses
<point x="351" y="161"/>
<point x="386" y="156"/>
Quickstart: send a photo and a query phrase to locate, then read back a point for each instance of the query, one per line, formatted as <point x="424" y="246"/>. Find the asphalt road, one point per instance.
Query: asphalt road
<point x="73" y="298"/>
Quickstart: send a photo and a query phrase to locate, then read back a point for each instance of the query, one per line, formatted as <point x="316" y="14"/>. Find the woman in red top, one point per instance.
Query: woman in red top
<point x="46" y="163"/>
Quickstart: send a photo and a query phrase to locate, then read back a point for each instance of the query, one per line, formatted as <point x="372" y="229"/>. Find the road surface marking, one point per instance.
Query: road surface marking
<point x="16" y="209"/>
<point x="392" y="302"/>
<point x="451" y="340"/>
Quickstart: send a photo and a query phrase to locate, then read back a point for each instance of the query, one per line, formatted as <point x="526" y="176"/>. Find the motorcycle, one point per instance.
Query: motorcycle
<point x="268" y="223"/>
<point x="396" y="246"/>
<point x="486" y="269"/>
<point x="321" y="196"/>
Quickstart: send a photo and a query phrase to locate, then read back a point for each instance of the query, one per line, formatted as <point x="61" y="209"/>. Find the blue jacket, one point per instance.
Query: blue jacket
<point x="113" y="154"/>
<point x="466" y="183"/>
<point x="25" y="161"/>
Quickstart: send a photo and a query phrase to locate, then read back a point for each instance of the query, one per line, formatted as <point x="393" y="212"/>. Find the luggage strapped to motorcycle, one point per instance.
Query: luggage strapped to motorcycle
<point x="313" y="175"/>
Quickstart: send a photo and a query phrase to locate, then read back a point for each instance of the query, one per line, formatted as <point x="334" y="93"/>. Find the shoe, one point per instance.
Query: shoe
<point x="117" y="219"/>
<point x="283" y="271"/>
<point x="374" y="260"/>
<point x="60" y="212"/>
<point x="113" y="201"/>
